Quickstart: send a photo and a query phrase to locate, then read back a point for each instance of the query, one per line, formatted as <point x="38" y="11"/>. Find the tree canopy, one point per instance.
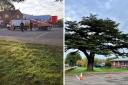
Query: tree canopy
<point x="93" y="35"/>
<point x="101" y="36"/>
<point x="7" y="4"/>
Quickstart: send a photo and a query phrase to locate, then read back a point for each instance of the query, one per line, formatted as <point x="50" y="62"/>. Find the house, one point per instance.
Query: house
<point x="7" y="15"/>
<point x="119" y="63"/>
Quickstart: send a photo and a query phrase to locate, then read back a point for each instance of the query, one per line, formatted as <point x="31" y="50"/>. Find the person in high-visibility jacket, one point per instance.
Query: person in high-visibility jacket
<point x="22" y="26"/>
<point x="31" y="25"/>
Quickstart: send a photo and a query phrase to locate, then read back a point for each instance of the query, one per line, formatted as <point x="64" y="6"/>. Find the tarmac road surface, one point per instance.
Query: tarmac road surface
<point x="99" y="79"/>
<point x="53" y="36"/>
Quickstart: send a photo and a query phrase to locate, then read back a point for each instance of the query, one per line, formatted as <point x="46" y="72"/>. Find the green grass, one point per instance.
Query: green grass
<point x="30" y="64"/>
<point x="79" y="70"/>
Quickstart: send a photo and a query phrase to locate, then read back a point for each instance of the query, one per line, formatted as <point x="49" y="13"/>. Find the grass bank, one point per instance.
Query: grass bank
<point x="30" y="64"/>
<point x="79" y="70"/>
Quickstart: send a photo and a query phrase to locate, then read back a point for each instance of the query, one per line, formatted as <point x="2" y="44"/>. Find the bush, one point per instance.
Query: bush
<point x="108" y="63"/>
<point x="82" y="63"/>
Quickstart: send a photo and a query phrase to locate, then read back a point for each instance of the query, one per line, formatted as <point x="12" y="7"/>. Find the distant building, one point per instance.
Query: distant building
<point x="7" y="15"/>
<point x="120" y="63"/>
<point x="37" y="17"/>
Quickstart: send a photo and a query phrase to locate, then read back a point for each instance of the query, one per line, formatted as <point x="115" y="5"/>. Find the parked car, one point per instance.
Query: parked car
<point x="99" y="65"/>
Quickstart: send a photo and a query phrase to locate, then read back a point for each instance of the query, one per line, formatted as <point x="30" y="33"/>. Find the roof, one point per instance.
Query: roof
<point x="40" y="17"/>
<point x="12" y="11"/>
<point x="120" y="59"/>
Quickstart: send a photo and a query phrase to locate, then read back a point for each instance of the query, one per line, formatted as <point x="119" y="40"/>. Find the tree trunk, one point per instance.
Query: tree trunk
<point x="90" y="64"/>
<point x="90" y="61"/>
<point x="90" y="58"/>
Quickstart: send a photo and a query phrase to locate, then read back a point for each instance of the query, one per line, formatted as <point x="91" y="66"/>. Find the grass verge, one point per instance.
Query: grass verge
<point x="30" y="64"/>
<point x="79" y="70"/>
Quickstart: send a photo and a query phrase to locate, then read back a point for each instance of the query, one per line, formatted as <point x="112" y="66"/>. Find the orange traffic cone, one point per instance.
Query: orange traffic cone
<point x="81" y="77"/>
<point x="109" y="76"/>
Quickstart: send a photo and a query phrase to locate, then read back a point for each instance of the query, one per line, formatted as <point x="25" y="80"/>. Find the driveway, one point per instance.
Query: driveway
<point x="99" y="79"/>
<point x="50" y="37"/>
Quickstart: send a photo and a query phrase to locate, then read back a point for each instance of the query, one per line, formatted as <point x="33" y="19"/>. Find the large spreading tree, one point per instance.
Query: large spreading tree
<point x="92" y="35"/>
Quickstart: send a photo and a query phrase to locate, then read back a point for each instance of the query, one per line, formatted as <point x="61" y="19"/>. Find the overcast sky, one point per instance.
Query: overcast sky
<point x="41" y="7"/>
<point x="113" y="9"/>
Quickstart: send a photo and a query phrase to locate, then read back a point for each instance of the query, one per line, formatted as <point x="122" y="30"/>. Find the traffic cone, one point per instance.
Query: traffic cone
<point x="81" y="77"/>
<point x="109" y="76"/>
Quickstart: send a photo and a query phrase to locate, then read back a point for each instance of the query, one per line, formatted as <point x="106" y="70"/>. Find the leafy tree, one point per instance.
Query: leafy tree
<point x="108" y="62"/>
<point x="79" y="63"/>
<point x="98" y="61"/>
<point x="7" y="4"/>
<point x="72" y="58"/>
<point x="82" y="62"/>
<point x="60" y="22"/>
<point x="92" y="35"/>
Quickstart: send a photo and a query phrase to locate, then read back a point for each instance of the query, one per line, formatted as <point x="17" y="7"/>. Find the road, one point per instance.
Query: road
<point x="50" y="37"/>
<point x="99" y="79"/>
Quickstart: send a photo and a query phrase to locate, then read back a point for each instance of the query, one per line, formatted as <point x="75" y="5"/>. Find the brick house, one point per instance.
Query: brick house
<point x="119" y="63"/>
<point x="7" y="15"/>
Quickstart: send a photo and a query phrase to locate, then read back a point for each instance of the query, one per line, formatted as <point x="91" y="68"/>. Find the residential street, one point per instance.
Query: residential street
<point x="53" y="36"/>
<point x="99" y="79"/>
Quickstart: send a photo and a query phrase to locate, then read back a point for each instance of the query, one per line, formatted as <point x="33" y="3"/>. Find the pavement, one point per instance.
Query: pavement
<point x="98" y="79"/>
<point x="54" y="36"/>
<point x="69" y="68"/>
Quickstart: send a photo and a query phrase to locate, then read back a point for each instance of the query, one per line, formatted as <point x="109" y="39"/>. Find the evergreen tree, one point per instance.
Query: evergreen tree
<point x="92" y="35"/>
